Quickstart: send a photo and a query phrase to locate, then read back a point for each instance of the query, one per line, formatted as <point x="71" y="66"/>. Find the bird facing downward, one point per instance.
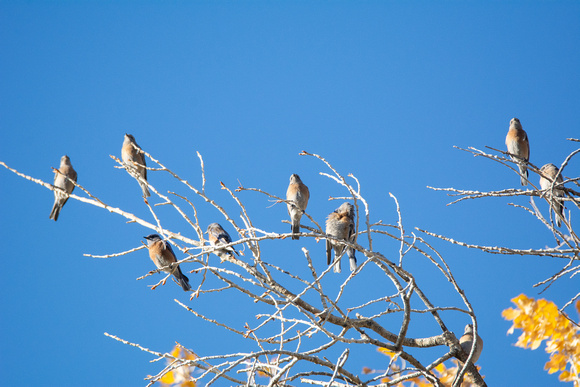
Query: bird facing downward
<point x="60" y="181"/>
<point x="517" y="144"/>
<point x="134" y="162"/>
<point x="550" y="171"/>
<point x="340" y="224"/>
<point x="218" y="236"/>
<point x="297" y="193"/>
<point x="162" y="255"/>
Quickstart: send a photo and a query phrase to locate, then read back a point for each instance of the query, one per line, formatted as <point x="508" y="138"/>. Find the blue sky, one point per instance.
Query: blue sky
<point x="383" y="90"/>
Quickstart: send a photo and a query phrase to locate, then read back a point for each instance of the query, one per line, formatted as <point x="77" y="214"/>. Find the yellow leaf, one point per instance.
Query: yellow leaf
<point x="565" y="376"/>
<point x="168" y="378"/>
<point x="510" y="314"/>
<point x="386" y="351"/>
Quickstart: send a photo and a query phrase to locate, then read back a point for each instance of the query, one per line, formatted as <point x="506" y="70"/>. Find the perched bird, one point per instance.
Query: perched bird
<point x="134" y="162"/>
<point x="218" y="236"/>
<point x="518" y="145"/>
<point x="550" y="171"/>
<point x="298" y="193"/>
<point x="340" y="224"/>
<point x="466" y="342"/>
<point x="162" y="254"/>
<point x="61" y="181"/>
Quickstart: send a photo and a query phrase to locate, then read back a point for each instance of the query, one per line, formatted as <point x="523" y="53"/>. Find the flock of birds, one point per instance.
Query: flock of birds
<point x="340" y="224"/>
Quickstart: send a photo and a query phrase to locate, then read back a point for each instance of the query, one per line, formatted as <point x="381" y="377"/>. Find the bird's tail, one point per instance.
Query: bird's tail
<point x="559" y="210"/>
<point x="182" y="279"/>
<point x="295" y="230"/>
<point x="337" y="262"/>
<point x="524" y="175"/>
<point x="145" y="190"/>
<point x="55" y="211"/>
<point x="351" y="259"/>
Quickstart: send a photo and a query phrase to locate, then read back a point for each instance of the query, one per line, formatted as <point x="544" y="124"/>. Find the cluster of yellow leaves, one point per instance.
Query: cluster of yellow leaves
<point x="179" y="377"/>
<point x="444" y="374"/>
<point x="540" y="320"/>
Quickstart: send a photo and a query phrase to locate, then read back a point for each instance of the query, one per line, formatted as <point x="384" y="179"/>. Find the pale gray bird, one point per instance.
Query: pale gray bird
<point x="340" y="224"/>
<point x="134" y="162"/>
<point x="550" y="171"/>
<point x="218" y="236"/>
<point x="60" y="181"/>
<point x="298" y="193"/>
<point x="517" y="144"/>
<point x="466" y="342"/>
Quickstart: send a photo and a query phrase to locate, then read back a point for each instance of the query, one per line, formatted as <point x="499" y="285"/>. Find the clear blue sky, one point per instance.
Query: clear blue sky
<point x="383" y="90"/>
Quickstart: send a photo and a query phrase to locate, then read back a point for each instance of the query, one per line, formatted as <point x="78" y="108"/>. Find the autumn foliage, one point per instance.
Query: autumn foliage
<point x="541" y="320"/>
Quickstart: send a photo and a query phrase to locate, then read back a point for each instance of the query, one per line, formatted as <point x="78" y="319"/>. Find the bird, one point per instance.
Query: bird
<point x="340" y="224"/>
<point x="162" y="255"/>
<point x="134" y="162"/>
<point x="550" y="171"/>
<point x="218" y="236"/>
<point x="60" y="181"/>
<point x="298" y="194"/>
<point x="517" y="144"/>
<point x="466" y="342"/>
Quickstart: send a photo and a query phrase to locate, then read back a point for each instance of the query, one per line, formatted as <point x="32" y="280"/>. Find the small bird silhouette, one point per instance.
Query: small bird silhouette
<point x="60" y="181"/>
<point x="162" y="255"/>
<point x="340" y="224"/>
<point x="550" y="171"/>
<point x="134" y="162"/>
<point x="218" y="236"/>
<point x="518" y="145"/>
<point x="298" y="193"/>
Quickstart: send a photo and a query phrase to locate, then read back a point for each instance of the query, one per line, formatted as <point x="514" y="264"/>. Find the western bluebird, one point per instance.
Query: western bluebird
<point x="550" y="171"/>
<point x="218" y="236"/>
<point x="298" y="193"/>
<point x="162" y="254"/>
<point x="131" y="157"/>
<point x="340" y="224"/>
<point x="60" y="181"/>
<point x="518" y="145"/>
<point x="466" y="342"/>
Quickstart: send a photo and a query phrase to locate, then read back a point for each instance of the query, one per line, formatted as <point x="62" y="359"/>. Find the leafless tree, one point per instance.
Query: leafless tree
<point x="307" y="329"/>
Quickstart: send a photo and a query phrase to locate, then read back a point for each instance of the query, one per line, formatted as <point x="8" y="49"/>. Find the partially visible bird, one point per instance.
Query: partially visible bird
<point x="134" y="162"/>
<point x="60" y="181"/>
<point x="340" y="224"/>
<point x="466" y="342"/>
<point x="550" y="171"/>
<point x="218" y="236"/>
<point x="517" y="144"/>
<point x="298" y="193"/>
<point x="162" y="254"/>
